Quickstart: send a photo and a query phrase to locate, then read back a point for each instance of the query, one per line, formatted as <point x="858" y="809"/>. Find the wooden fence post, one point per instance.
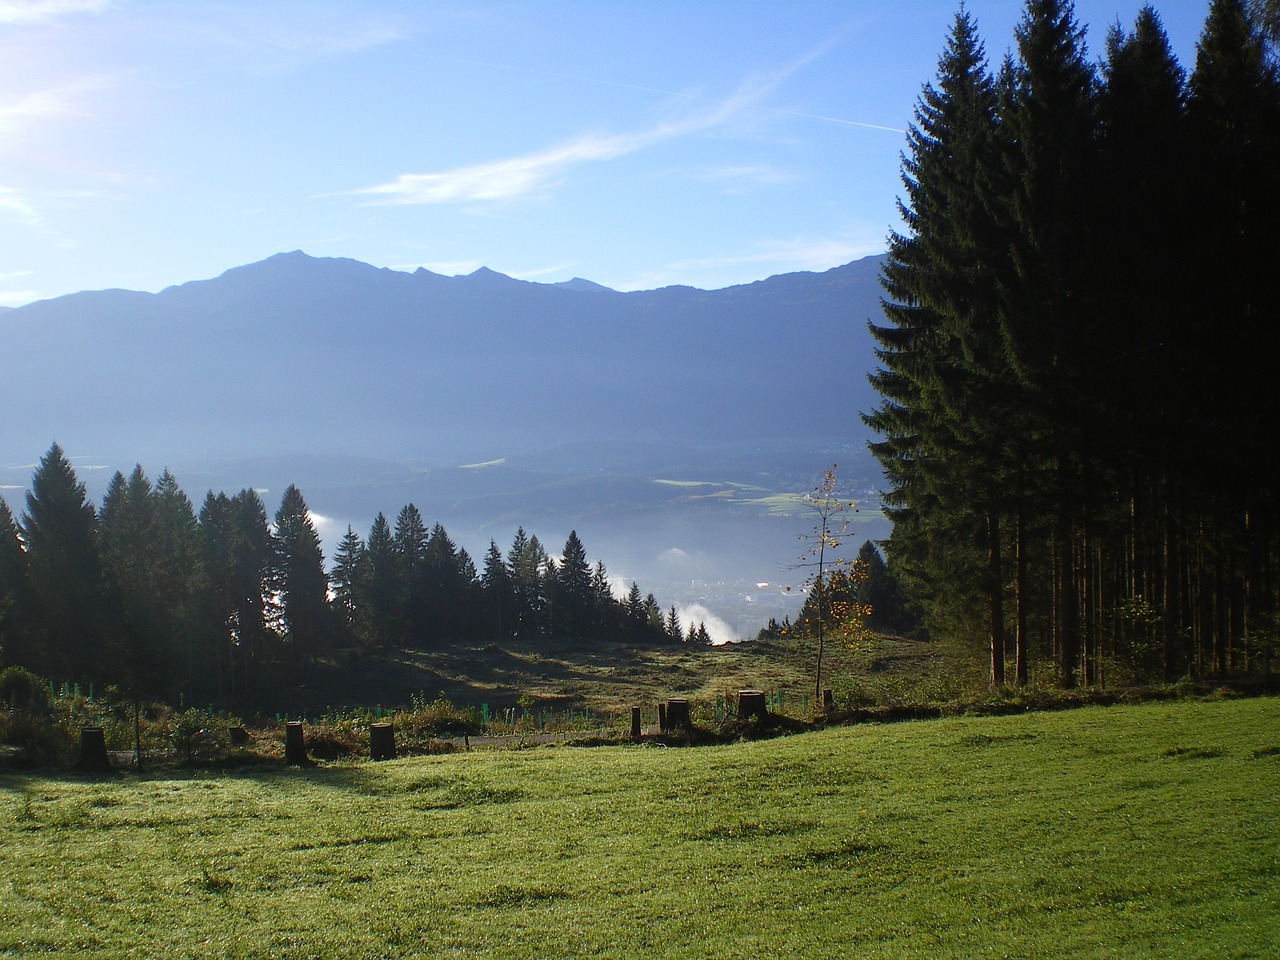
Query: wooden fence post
<point x="382" y="741"/>
<point x="635" y="723"/>
<point x="295" y="743"/>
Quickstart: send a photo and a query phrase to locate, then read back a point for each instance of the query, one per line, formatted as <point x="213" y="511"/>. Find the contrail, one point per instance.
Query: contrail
<point x="669" y="93"/>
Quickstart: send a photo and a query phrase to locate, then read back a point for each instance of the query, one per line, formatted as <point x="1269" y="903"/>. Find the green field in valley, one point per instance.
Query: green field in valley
<point x="1129" y="831"/>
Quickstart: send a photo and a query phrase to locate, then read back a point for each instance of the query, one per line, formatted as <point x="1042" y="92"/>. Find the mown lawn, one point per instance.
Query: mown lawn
<point x="1135" y="831"/>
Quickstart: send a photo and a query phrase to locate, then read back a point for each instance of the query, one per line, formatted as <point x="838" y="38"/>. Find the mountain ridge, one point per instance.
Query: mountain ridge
<point x="369" y="387"/>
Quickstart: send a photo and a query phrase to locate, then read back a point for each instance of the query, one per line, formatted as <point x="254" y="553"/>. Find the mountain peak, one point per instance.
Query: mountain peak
<point x="585" y="286"/>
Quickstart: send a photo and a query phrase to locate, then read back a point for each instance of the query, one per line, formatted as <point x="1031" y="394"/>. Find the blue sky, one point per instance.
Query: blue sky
<point x="636" y="144"/>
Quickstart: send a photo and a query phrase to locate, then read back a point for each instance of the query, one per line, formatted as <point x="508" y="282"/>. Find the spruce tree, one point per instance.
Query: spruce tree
<point x="945" y="418"/>
<point x="411" y="539"/>
<point x="59" y="528"/>
<point x="386" y="590"/>
<point x="574" y="600"/>
<point x="134" y="563"/>
<point x="1051" y="321"/>
<point x="349" y="581"/>
<point x="498" y="594"/>
<point x="301" y="579"/>
<point x="15" y="611"/>
<point x="183" y="581"/>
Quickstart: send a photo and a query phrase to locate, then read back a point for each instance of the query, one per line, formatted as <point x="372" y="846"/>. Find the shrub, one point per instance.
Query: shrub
<point x="20" y="689"/>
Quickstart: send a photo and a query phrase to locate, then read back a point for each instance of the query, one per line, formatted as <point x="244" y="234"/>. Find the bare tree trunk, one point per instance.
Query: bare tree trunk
<point x="995" y="600"/>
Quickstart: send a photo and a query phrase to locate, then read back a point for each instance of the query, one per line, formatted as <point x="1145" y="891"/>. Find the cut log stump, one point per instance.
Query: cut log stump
<point x="678" y="713"/>
<point x="382" y="741"/>
<point x="295" y="743"/>
<point x="93" y="750"/>
<point x="751" y="704"/>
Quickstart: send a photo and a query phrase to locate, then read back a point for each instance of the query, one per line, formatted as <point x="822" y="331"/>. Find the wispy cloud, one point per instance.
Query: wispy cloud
<point x="447" y="268"/>
<point x="503" y="179"/>
<point x="778" y="256"/>
<point x="39" y="11"/>
<point x="736" y="179"/>
<point x="798" y="254"/>
<point x="17" y="298"/>
<point x="20" y="208"/>
<point x="272" y="40"/>
<point x="516" y="177"/>
<point x="63" y="100"/>
<point x="542" y="271"/>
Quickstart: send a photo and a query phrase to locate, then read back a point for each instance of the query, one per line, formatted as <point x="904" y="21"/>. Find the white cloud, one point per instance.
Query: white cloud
<point x="799" y="254"/>
<point x="39" y="11"/>
<point x="20" y="208"/>
<point x="516" y="177"/>
<point x="740" y="179"/>
<point x="506" y="179"/>
<point x="719" y="631"/>
<point x="542" y="272"/>
<point x="18" y="298"/>
<point x="776" y="256"/>
<point x="448" y="268"/>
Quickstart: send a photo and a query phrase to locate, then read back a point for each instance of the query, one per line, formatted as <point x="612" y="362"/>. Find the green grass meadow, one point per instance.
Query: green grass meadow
<point x="1131" y="831"/>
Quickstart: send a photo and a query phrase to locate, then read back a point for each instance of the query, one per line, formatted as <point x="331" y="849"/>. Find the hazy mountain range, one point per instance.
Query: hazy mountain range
<point x="660" y="424"/>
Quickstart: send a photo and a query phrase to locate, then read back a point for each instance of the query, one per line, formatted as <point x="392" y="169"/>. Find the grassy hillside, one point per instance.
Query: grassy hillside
<point x="609" y="677"/>
<point x="1137" y="831"/>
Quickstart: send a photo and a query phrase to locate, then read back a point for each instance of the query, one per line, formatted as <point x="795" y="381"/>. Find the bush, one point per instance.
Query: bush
<point x="20" y="689"/>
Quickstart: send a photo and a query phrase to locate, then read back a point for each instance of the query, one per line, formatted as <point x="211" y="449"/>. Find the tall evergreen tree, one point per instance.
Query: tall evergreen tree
<point x="527" y="561"/>
<point x="444" y="589"/>
<point x="183" y="580"/>
<point x="411" y="539"/>
<point x="948" y="403"/>
<point x="1051" y="320"/>
<point x="59" y="528"/>
<point x="497" y="595"/>
<point x="349" y="580"/>
<point x="675" y="633"/>
<point x="1147" y="266"/>
<point x="15" y="613"/>
<point x="141" y="643"/>
<point x="1234" y="114"/>
<point x="386" y="591"/>
<point x="573" y="602"/>
<point x="302" y="582"/>
<point x="240" y="564"/>
<point x="880" y="593"/>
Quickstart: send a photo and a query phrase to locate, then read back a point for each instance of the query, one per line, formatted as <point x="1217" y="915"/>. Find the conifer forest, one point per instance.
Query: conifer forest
<point x="1076" y="399"/>
<point x="1076" y="396"/>
<point x="167" y="601"/>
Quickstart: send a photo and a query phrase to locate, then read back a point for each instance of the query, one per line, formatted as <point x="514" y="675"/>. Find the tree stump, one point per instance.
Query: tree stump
<point x="751" y="704"/>
<point x="678" y="713"/>
<point x="635" y="723"/>
<point x="295" y="743"/>
<point x="828" y="701"/>
<point x="382" y="741"/>
<point x="93" y="750"/>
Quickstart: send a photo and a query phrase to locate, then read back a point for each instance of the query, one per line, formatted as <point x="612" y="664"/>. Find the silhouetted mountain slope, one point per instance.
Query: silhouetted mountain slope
<point x="658" y="423"/>
<point x="298" y="354"/>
